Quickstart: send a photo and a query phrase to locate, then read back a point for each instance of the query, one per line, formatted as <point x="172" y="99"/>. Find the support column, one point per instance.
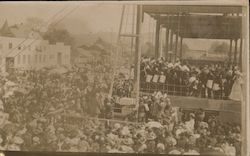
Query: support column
<point x="138" y="53"/>
<point x="235" y="51"/>
<point x="181" y="48"/>
<point x="176" y="46"/>
<point x="230" y="51"/>
<point x="171" y="44"/>
<point x="160" y="42"/>
<point x="167" y="41"/>
<point x="240" y="56"/>
<point x="157" y="38"/>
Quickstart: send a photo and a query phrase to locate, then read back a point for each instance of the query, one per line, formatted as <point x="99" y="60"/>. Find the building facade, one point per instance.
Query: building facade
<point x="28" y="54"/>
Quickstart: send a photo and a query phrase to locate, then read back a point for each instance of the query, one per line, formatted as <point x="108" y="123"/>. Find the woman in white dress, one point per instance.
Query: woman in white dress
<point x="236" y="92"/>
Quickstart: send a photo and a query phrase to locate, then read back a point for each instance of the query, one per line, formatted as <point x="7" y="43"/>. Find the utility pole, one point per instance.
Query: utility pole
<point x="138" y="56"/>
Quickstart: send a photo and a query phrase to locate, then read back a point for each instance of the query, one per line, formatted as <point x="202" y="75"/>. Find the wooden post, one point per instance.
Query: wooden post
<point x="160" y="42"/>
<point x="177" y="37"/>
<point x="157" y="38"/>
<point x="138" y="55"/>
<point x="230" y="51"/>
<point x="181" y="48"/>
<point x="176" y="46"/>
<point x="171" y="43"/>
<point x="240" y="57"/>
<point x="235" y="51"/>
<point x="167" y="41"/>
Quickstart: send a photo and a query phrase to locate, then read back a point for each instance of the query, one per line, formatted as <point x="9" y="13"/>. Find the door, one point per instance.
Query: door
<point x="9" y="64"/>
<point x="59" y="58"/>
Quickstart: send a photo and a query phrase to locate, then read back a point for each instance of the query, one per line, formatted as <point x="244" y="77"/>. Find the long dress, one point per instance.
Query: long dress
<point x="236" y="92"/>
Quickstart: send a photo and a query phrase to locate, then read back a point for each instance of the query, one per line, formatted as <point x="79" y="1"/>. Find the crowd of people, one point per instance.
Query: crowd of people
<point x="46" y="111"/>
<point x="192" y="133"/>
<point x="218" y="81"/>
<point x="30" y="98"/>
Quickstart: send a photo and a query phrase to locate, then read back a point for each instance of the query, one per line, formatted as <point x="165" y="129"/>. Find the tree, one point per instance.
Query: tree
<point x="55" y="34"/>
<point x="34" y="23"/>
<point x="221" y="48"/>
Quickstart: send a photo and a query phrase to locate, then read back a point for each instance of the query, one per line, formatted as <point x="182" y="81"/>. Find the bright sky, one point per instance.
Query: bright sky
<point x="94" y="16"/>
<point x="88" y="17"/>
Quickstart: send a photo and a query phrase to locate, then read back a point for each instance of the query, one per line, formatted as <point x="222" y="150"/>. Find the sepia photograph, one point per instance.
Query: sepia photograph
<point x="124" y="77"/>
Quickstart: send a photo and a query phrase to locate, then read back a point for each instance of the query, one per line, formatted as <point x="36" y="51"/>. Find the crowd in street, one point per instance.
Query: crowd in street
<point x="48" y="118"/>
<point x="46" y="111"/>
<point x="218" y="81"/>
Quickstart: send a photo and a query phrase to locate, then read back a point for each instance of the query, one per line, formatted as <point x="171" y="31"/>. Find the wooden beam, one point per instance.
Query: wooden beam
<point x="166" y="9"/>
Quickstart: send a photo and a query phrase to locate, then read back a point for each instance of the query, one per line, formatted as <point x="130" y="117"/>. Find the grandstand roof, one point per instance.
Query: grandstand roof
<point x="211" y="22"/>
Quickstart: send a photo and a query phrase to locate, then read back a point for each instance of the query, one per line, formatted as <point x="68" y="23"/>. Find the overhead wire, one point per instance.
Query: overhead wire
<point x="53" y="25"/>
<point x="61" y="10"/>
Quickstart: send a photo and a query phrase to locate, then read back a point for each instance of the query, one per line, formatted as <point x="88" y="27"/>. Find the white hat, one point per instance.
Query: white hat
<point x="170" y="65"/>
<point x="18" y="140"/>
<point x="117" y="126"/>
<point x="125" y="131"/>
<point x="36" y="139"/>
<point x="175" y="152"/>
<point x="160" y="146"/>
<point x="185" y="68"/>
<point x="127" y="149"/>
<point x="192" y="79"/>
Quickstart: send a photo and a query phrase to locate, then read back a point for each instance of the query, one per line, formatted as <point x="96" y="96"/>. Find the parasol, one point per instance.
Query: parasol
<point x="154" y="124"/>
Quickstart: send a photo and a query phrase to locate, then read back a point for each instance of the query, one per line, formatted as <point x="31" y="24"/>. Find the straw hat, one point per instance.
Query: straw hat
<point x="125" y="131"/>
<point x="126" y="149"/>
<point x="151" y="136"/>
<point x="170" y="65"/>
<point x="117" y="126"/>
<point x="160" y="146"/>
<point x="18" y="140"/>
<point x="128" y="141"/>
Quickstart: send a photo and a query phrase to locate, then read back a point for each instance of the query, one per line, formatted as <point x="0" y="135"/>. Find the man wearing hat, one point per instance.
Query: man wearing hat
<point x="151" y="144"/>
<point x="203" y="78"/>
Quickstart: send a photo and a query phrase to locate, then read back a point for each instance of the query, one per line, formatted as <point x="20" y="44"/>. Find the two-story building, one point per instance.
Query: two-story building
<point x="30" y="52"/>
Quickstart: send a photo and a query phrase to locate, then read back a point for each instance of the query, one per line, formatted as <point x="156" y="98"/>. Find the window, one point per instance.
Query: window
<point x="40" y="58"/>
<point x="10" y="45"/>
<point x="44" y="58"/>
<point x="28" y="59"/>
<point x="24" y="59"/>
<point x="38" y="48"/>
<point x="18" y="59"/>
<point x="35" y="58"/>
